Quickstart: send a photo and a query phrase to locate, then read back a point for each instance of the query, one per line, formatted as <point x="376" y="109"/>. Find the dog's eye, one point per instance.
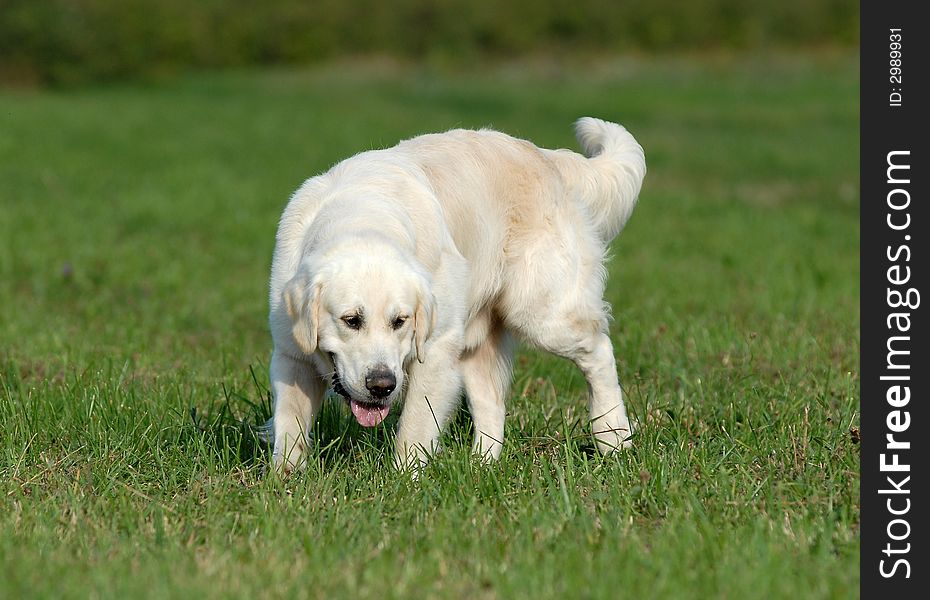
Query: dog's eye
<point x="398" y="322"/>
<point x="352" y="321"/>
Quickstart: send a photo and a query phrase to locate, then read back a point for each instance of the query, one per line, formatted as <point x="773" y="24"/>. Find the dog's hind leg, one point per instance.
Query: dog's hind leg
<point x="589" y="347"/>
<point x="609" y="421"/>
<point x="575" y="327"/>
<point x="486" y="372"/>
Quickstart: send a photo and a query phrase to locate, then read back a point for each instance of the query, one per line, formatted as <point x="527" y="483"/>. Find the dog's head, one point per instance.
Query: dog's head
<point x="368" y="318"/>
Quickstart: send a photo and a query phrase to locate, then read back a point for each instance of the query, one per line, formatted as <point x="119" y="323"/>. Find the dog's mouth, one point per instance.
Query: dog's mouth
<point x="368" y="414"/>
<point x="338" y="387"/>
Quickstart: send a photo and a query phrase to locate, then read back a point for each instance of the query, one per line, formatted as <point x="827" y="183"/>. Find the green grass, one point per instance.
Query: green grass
<point x="136" y="231"/>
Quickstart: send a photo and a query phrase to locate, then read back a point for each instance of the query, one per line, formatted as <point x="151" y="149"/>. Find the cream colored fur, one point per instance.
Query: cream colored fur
<point x="470" y="240"/>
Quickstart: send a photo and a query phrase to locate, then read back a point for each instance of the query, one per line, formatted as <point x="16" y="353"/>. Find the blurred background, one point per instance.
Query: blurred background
<point x="73" y="41"/>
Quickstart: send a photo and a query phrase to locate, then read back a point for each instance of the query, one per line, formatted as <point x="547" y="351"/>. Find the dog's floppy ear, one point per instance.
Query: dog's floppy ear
<point x="424" y="319"/>
<point x="302" y="300"/>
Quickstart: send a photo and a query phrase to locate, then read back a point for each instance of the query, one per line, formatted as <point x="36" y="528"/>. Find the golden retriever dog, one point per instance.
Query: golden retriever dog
<point x="408" y="274"/>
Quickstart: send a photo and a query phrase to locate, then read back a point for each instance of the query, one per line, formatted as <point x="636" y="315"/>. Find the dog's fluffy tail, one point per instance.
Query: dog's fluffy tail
<point x="617" y="166"/>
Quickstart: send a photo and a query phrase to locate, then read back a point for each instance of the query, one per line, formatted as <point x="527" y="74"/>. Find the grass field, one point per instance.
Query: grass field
<point x="136" y="232"/>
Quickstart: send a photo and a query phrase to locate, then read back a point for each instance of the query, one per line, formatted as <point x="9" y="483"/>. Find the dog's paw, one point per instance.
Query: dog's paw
<point x="412" y="459"/>
<point x="289" y="457"/>
<point x="615" y="438"/>
<point x="486" y="449"/>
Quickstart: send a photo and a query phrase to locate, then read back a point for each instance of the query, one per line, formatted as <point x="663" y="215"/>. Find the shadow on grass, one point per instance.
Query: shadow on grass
<point x="233" y="428"/>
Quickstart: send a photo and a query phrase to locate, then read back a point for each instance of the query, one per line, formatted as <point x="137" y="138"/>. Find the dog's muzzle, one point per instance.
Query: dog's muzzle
<point x="379" y="382"/>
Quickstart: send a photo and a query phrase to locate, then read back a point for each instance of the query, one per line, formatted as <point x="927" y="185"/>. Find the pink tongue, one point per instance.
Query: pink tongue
<point x="368" y="415"/>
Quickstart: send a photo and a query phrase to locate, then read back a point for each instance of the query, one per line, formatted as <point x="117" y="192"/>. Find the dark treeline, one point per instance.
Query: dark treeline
<point x="71" y="41"/>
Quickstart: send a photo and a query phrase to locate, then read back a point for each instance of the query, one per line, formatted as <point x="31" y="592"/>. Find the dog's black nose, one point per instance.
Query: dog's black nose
<point x="380" y="382"/>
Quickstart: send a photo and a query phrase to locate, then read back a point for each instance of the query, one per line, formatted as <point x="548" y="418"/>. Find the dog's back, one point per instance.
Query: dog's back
<point x="467" y="168"/>
<point x="505" y="200"/>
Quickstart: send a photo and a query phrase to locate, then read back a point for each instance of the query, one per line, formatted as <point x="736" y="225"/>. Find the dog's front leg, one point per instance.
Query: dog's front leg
<point x="433" y="394"/>
<point x="298" y="394"/>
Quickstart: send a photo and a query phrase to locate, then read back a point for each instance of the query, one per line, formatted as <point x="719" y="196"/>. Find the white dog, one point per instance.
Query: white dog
<point x="408" y="273"/>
